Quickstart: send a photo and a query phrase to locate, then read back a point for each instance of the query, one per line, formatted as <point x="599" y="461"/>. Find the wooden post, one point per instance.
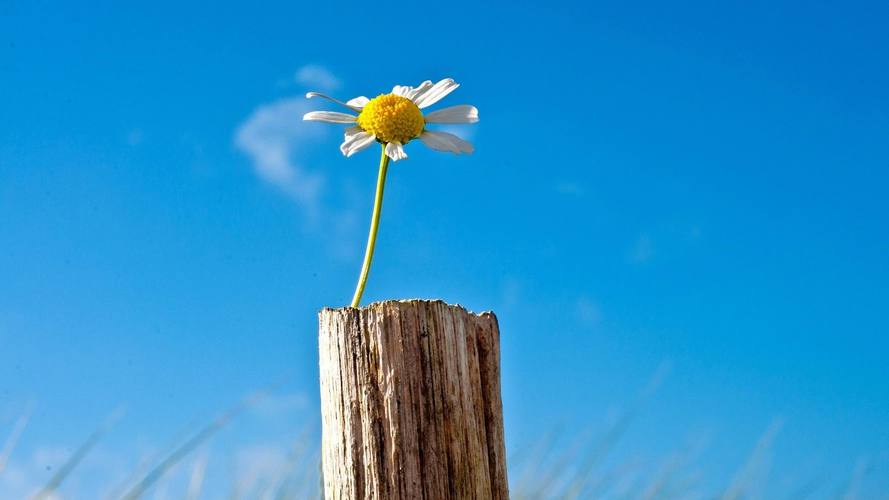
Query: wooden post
<point x="410" y="403"/>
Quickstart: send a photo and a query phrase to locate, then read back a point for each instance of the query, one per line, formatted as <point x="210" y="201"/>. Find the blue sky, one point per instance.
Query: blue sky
<point x="694" y="190"/>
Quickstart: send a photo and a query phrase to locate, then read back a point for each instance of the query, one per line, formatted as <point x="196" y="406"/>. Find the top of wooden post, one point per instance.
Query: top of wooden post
<point x="388" y="303"/>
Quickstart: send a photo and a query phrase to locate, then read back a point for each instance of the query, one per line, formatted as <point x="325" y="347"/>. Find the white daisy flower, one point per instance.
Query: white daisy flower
<point x="395" y="119"/>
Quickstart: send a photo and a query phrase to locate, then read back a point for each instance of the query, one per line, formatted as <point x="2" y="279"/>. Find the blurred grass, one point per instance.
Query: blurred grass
<point x="79" y="454"/>
<point x="559" y="465"/>
<point x="17" y="429"/>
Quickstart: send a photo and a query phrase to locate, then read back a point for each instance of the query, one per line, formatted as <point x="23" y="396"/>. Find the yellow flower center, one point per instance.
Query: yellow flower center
<point x="392" y="118"/>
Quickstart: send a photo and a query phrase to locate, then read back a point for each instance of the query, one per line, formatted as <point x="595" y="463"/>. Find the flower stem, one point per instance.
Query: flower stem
<point x="374" y="224"/>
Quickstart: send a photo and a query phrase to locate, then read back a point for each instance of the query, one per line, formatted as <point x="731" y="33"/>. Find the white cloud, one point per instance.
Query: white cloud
<point x="275" y="138"/>
<point x="317" y="78"/>
<point x="271" y="136"/>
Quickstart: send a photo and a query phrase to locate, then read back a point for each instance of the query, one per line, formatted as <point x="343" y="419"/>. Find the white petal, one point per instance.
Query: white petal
<point x="402" y="90"/>
<point x="395" y="151"/>
<point x="412" y="92"/>
<point x="358" y="103"/>
<point x="356" y="140"/>
<point x="455" y="114"/>
<point x="443" y="141"/>
<point x="419" y="90"/>
<point x="329" y="117"/>
<point x="435" y="93"/>
<point x="349" y="104"/>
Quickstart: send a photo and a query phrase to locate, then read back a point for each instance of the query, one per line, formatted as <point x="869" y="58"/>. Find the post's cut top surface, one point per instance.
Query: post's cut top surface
<point x="401" y="303"/>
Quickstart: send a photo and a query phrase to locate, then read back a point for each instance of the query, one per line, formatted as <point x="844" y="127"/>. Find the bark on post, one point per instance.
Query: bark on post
<point x="410" y="403"/>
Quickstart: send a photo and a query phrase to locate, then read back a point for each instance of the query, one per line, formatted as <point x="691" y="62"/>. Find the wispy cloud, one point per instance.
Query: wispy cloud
<point x="271" y="136"/>
<point x="276" y="138"/>
<point x="317" y="77"/>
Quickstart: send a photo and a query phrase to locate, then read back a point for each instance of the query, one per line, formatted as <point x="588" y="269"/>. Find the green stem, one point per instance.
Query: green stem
<point x="374" y="224"/>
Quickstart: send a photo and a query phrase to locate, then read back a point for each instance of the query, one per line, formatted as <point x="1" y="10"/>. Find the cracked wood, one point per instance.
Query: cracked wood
<point x="410" y="403"/>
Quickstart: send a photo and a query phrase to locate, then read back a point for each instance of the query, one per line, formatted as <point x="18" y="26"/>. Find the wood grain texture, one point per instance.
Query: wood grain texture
<point x="410" y="402"/>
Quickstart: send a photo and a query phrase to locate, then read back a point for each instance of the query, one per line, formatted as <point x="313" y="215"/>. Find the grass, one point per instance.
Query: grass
<point x="560" y="465"/>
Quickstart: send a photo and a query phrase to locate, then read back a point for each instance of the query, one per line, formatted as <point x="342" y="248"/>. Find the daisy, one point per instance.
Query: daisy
<point x="395" y="119"/>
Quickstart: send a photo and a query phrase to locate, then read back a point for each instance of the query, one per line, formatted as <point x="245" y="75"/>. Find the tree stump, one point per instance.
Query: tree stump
<point x="410" y="403"/>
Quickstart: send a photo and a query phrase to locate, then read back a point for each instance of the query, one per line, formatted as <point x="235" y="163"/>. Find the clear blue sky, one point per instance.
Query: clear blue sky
<point x="698" y="185"/>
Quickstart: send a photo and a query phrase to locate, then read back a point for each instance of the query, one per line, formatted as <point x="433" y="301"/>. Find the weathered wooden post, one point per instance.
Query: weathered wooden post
<point x="410" y="403"/>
